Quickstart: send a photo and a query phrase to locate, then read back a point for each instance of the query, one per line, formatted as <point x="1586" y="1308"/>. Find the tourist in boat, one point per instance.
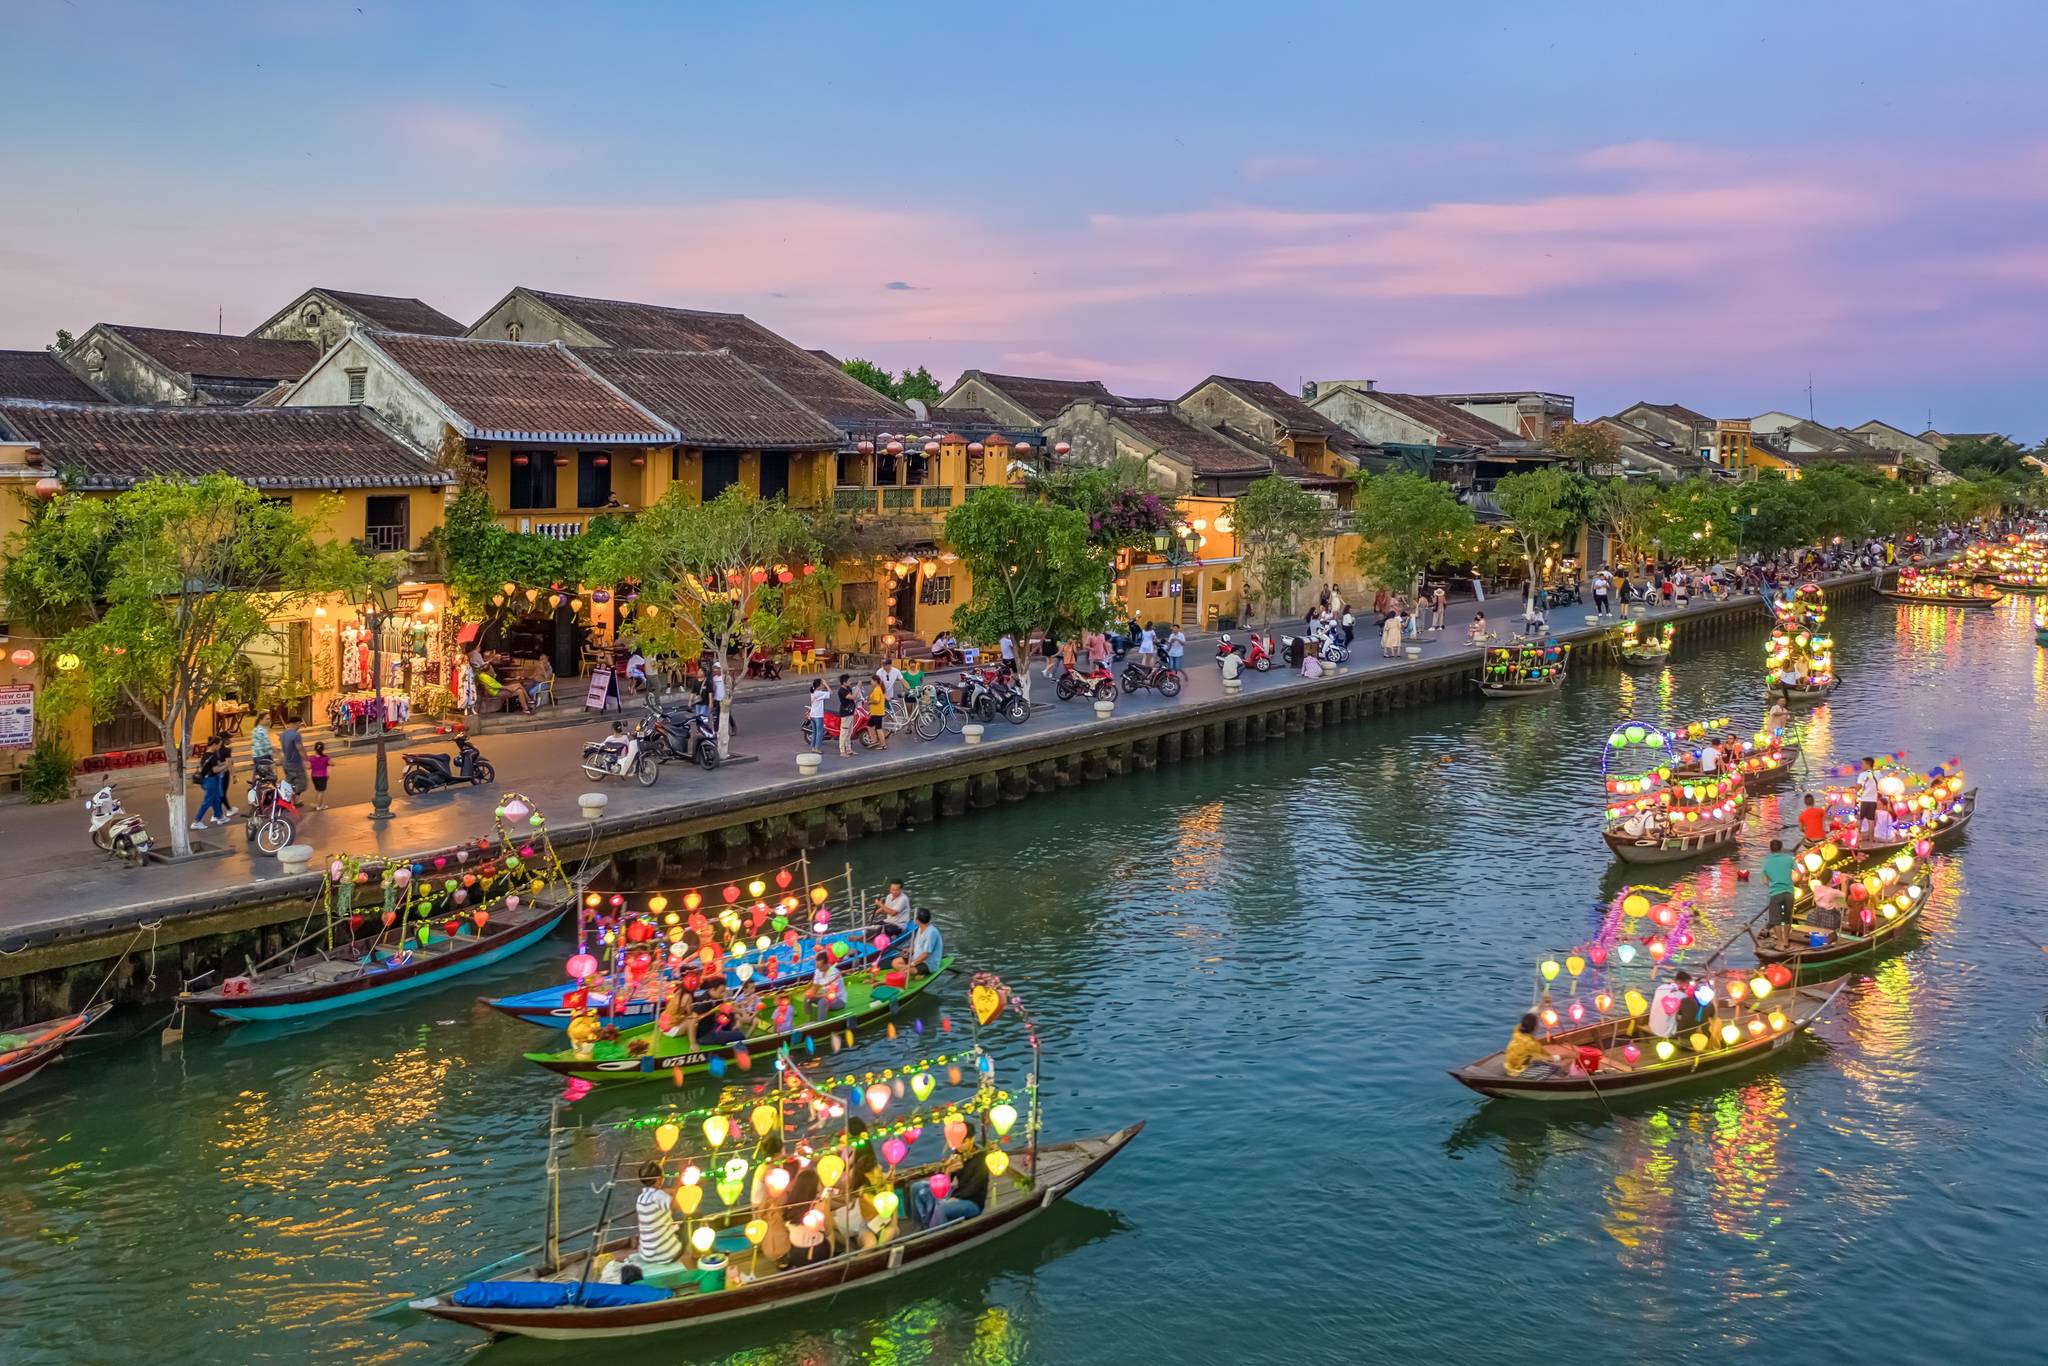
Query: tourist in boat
<point x="1866" y="797"/>
<point x="1780" y="868"/>
<point x="927" y="946"/>
<point x="660" y="1244"/>
<point x="1529" y="1057"/>
<point x="1813" y="821"/>
<point x="803" y="1219"/>
<point x="967" y="1193"/>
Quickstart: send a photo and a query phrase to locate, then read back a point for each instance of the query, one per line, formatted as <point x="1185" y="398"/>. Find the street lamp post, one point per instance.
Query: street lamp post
<point x="376" y="606"/>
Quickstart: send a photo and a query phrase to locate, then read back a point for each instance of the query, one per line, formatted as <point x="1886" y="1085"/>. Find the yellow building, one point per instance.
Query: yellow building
<point x="376" y="487"/>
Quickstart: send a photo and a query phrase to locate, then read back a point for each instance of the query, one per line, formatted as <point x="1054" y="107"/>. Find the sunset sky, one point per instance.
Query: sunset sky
<point x="1703" y="204"/>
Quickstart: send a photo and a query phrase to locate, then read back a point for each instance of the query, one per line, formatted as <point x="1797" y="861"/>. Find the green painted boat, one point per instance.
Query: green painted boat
<point x="663" y="1056"/>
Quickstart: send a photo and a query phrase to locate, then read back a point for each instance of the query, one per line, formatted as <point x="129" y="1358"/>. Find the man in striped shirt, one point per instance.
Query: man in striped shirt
<point x="660" y="1244"/>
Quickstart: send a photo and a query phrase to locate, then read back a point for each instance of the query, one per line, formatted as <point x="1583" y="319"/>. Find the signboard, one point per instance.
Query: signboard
<point x="17" y="716"/>
<point x="600" y="690"/>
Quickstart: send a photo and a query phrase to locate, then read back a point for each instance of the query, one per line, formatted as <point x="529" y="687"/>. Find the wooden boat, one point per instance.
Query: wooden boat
<point x="1033" y="1184"/>
<point x="28" y="1050"/>
<point x="547" y="1006"/>
<point x="1695" y="842"/>
<point x="346" y="976"/>
<point x="1798" y="1007"/>
<point x="663" y="1056"/>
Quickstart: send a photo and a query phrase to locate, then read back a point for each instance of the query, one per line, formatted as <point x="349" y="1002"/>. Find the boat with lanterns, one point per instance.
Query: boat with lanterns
<point x="1533" y="669"/>
<point x="735" y="1185"/>
<point x="1849" y="906"/>
<point x="1655" y="813"/>
<point x="634" y="948"/>
<point x="603" y="1054"/>
<point x="389" y="926"/>
<point x="1645" y="648"/>
<point x="1941" y="589"/>
<point x="1625" y="1027"/>
<point x="1799" y="657"/>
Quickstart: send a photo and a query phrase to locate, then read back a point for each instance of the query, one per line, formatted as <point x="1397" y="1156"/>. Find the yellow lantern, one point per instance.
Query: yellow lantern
<point x="998" y="1162"/>
<point x="1003" y="1117"/>
<point x="703" y="1238"/>
<point x="756" y="1230"/>
<point x="665" y="1137"/>
<point x="830" y="1168"/>
<point x="766" y="1120"/>
<point x="716" y="1128"/>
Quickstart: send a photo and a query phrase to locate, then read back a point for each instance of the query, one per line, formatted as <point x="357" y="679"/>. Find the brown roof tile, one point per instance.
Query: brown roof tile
<point x="40" y="375"/>
<point x="711" y="397"/>
<point x="520" y="391"/>
<point x="825" y="389"/>
<point x="110" y="446"/>
<point x="395" y="314"/>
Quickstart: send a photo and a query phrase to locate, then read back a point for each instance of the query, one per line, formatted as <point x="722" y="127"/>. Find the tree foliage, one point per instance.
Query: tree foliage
<point x="1277" y="521"/>
<point x="733" y="574"/>
<point x="1035" y="568"/>
<point x="1407" y="523"/>
<point x="161" y="591"/>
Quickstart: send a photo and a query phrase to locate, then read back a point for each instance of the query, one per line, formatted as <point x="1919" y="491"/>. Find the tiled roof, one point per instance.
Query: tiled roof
<point x="40" y="375"/>
<point x="825" y="389"/>
<point x="1043" y="398"/>
<point x="519" y="391"/>
<point x="109" y="446"/>
<point x="395" y="314"/>
<point x="711" y="397"/>
<point x="1210" y="453"/>
<point x="1291" y="413"/>
<point x="1456" y="426"/>
<point x="232" y="363"/>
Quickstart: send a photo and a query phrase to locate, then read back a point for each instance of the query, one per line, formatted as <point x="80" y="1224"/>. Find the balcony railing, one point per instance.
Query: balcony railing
<point x="385" y="539"/>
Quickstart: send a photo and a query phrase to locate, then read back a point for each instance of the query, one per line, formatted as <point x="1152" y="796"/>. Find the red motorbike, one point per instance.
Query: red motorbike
<point x="1098" y="683"/>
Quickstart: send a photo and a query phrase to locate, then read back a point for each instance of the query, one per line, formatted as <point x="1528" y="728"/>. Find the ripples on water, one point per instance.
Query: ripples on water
<point x="1273" y="957"/>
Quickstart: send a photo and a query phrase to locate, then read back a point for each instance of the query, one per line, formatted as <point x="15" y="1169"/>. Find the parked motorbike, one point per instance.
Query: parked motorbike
<point x="118" y="832"/>
<point x="424" y="772"/>
<point x="682" y="733"/>
<point x="273" y="812"/>
<point x="1137" y="676"/>
<point x="1098" y="683"/>
<point x="623" y="753"/>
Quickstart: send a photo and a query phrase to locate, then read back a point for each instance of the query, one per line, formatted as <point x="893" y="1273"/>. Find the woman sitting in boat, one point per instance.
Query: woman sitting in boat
<point x="1529" y="1056"/>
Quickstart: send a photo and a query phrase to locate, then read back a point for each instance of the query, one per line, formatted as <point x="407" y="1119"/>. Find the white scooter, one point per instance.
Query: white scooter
<point x="118" y="832"/>
<point x="620" y="754"/>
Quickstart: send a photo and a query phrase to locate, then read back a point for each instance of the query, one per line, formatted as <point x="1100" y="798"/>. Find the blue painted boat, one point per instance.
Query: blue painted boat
<point x="783" y="968"/>
<point x="346" y="977"/>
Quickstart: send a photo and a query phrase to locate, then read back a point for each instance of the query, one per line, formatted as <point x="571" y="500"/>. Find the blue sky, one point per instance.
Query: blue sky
<point x="1696" y="203"/>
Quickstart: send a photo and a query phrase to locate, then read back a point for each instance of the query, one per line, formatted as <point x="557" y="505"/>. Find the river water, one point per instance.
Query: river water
<point x="1272" y="958"/>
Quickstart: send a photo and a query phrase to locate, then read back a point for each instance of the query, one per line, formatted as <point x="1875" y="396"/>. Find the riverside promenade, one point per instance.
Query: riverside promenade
<point x="64" y="904"/>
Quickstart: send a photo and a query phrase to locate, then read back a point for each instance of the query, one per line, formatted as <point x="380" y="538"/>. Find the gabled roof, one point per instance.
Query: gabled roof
<point x="1042" y="398"/>
<point x="519" y="391"/>
<point x="711" y="398"/>
<point x="825" y="389"/>
<point x="1455" y="426"/>
<point x="1210" y="453"/>
<point x="114" y="446"/>
<point x="236" y="369"/>
<point x="40" y="375"/>
<point x="395" y="314"/>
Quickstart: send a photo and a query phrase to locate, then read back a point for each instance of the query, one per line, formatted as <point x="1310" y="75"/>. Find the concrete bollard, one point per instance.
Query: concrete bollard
<point x="295" y="858"/>
<point x="807" y="764"/>
<point x="592" y="804"/>
<point x="1105" y="707"/>
<point x="971" y="732"/>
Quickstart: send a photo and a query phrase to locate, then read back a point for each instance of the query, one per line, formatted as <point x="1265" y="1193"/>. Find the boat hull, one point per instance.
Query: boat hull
<point x="1488" y="1078"/>
<point x="1673" y="849"/>
<point x="288" y="1001"/>
<point x="544" y="1007"/>
<point x="1077" y="1161"/>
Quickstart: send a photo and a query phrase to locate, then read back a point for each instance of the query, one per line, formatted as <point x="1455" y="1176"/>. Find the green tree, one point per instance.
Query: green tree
<point x="1277" y="521"/>
<point x="1540" y="506"/>
<point x="870" y="374"/>
<point x="918" y="384"/>
<point x="1405" y="524"/>
<point x="1034" y="565"/>
<point x="729" y="575"/>
<point x="161" y="591"/>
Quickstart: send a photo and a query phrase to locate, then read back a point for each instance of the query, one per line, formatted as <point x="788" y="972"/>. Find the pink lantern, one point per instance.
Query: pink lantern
<point x="581" y="966"/>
